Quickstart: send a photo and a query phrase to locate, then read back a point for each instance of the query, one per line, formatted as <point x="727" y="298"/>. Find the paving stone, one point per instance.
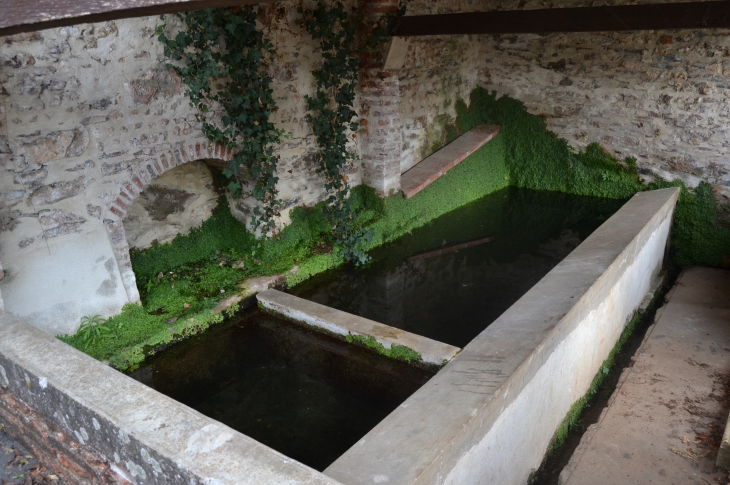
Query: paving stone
<point x="664" y="423"/>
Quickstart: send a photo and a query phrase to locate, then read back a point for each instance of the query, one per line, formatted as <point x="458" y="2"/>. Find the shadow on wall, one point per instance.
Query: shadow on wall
<point x="172" y="204"/>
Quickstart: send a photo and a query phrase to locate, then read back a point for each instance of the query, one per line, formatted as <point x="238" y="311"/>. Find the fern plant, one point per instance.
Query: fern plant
<point x="92" y="328"/>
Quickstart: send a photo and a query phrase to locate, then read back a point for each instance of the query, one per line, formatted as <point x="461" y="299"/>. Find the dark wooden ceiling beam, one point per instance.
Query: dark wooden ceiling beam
<point x="690" y="15"/>
<point x="18" y="16"/>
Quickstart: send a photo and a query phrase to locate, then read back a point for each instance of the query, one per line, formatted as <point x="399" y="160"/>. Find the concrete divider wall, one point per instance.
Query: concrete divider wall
<point x="489" y="415"/>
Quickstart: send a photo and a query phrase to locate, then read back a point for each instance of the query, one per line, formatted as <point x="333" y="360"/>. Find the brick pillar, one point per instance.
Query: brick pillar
<point x="380" y="142"/>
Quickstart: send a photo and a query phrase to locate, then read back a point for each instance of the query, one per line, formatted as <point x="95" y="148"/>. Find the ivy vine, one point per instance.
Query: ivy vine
<point x="333" y="117"/>
<point x="225" y="65"/>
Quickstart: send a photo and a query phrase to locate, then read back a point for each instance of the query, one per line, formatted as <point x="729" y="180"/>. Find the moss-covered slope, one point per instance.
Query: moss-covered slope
<point x="182" y="281"/>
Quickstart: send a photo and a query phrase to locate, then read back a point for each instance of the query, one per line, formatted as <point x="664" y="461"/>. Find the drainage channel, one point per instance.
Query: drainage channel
<point x="558" y="458"/>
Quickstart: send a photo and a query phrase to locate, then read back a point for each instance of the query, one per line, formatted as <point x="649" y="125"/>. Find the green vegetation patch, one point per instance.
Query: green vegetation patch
<point x="181" y="282"/>
<point x="399" y="352"/>
<point x="700" y="233"/>
<point x="537" y="159"/>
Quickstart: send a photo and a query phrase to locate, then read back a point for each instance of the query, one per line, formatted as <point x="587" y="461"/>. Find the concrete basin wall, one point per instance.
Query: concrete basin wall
<point x="96" y="425"/>
<point x="487" y="417"/>
<point x="490" y="414"/>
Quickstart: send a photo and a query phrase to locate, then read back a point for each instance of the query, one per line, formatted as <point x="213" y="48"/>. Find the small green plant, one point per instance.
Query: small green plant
<point x="398" y="352"/>
<point x="92" y="328"/>
<point x="232" y="310"/>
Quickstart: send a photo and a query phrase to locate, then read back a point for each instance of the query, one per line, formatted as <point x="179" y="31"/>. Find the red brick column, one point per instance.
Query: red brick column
<point x="381" y="143"/>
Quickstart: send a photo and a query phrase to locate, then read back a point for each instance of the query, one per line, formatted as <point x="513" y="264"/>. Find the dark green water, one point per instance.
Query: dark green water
<point x="453" y="296"/>
<point x="304" y="394"/>
<point x="311" y="396"/>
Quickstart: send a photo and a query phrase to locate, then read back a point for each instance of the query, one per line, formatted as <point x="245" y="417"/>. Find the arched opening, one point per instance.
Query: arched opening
<point x="147" y="175"/>
<point x="172" y="204"/>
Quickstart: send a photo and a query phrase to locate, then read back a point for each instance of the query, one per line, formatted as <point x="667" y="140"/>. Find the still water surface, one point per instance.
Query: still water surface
<point x="311" y="396"/>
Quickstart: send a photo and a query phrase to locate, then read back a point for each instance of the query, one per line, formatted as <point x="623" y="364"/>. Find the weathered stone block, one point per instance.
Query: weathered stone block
<point x="57" y="222"/>
<point x="49" y="194"/>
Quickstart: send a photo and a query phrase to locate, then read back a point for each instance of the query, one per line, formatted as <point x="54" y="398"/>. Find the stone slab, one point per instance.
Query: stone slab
<point x="343" y="323"/>
<point x="249" y="289"/>
<point x="431" y="168"/>
<point x="665" y="420"/>
<point x="489" y="415"/>
<point x="144" y="436"/>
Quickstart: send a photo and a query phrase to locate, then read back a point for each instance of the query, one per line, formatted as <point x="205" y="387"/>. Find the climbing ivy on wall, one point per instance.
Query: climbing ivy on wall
<point x="333" y="117"/>
<point x="225" y="65"/>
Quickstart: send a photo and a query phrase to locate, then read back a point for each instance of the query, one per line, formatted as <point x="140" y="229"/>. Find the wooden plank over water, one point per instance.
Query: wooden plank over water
<point x="427" y="171"/>
<point x="687" y="15"/>
<point x="19" y="16"/>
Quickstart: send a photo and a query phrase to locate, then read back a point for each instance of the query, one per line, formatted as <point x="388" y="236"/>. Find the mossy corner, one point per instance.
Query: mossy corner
<point x="398" y="352"/>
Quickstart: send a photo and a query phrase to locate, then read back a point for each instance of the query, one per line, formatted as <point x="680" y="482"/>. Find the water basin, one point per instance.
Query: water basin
<point x="307" y="395"/>
<point x="450" y="279"/>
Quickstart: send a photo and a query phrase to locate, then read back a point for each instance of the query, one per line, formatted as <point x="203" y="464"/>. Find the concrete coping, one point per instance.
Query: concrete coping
<point x="425" y="172"/>
<point x="342" y="323"/>
<point x="146" y="437"/>
<point x="489" y="415"/>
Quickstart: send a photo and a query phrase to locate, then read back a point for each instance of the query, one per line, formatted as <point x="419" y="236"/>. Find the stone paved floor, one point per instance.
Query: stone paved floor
<point x="17" y="466"/>
<point x="664" y="422"/>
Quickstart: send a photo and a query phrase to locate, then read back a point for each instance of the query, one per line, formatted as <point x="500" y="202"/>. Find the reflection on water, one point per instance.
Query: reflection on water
<point x="449" y="280"/>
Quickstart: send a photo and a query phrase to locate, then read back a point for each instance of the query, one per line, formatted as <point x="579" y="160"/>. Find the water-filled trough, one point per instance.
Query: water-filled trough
<point x="486" y="417"/>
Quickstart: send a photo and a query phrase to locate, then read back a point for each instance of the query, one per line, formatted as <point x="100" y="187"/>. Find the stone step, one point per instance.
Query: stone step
<point x="427" y="171"/>
<point x="343" y="323"/>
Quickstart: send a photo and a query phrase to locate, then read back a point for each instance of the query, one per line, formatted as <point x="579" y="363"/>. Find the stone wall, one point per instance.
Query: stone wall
<point x="84" y="108"/>
<point x="660" y="96"/>
<point x="89" y="116"/>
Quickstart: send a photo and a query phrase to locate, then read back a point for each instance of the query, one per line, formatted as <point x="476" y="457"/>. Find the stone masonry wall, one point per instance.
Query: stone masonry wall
<point x="88" y="117"/>
<point x="661" y="97"/>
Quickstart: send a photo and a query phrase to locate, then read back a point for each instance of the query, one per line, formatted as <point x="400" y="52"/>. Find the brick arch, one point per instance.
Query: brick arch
<point x="135" y="183"/>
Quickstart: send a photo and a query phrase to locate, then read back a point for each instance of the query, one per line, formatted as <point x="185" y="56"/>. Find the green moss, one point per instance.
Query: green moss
<point x="482" y="173"/>
<point x="539" y="160"/>
<point x="399" y="352"/>
<point x="699" y="235"/>
<point x="196" y="267"/>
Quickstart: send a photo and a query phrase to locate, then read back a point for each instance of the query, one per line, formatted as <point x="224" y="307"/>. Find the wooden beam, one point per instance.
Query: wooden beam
<point x="20" y="16"/>
<point x="690" y="15"/>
